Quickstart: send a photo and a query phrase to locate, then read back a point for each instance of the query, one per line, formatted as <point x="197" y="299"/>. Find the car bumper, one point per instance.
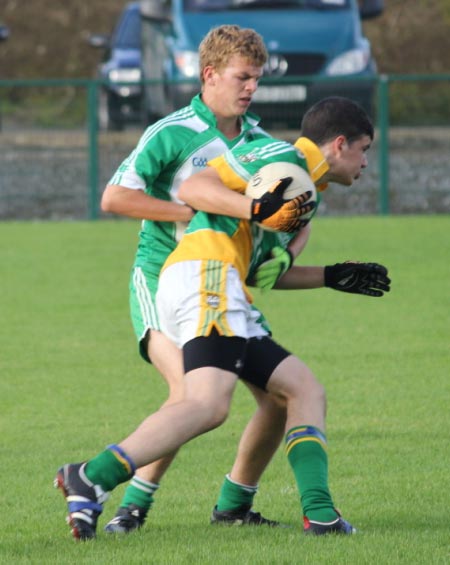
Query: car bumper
<point x="288" y="103"/>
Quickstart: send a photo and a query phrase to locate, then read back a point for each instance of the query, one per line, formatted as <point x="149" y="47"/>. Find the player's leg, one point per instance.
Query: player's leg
<point x="262" y="435"/>
<point x="257" y="445"/>
<point x="157" y="349"/>
<point x="210" y="362"/>
<point x="139" y="494"/>
<point x="260" y="439"/>
<point x="208" y="392"/>
<point x="306" y="446"/>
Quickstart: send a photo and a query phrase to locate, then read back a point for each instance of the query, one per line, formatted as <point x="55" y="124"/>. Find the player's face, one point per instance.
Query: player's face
<point x="230" y="90"/>
<point x="352" y="159"/>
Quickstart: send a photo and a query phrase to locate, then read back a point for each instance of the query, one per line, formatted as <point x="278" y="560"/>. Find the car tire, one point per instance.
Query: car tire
<point x="107" y="114"/>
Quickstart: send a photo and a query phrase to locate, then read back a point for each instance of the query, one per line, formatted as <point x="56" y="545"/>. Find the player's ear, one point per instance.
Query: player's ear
<point x="341" y="141"/>
<point x="339" y="144"/>
<point x="208" y="74"/>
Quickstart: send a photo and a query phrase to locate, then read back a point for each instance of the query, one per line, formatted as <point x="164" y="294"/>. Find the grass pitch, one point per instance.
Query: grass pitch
<point x="72" y="382"/>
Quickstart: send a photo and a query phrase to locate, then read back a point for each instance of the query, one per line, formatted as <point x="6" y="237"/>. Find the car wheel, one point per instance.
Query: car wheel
<point x="107" y="114"/>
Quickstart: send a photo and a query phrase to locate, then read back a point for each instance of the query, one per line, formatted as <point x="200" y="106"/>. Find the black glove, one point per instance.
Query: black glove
<point x="369" y="279"/>
<point x="273" y="212"/>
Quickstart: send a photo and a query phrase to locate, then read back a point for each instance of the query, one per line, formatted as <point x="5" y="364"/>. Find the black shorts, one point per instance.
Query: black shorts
<point x="262" y="357"/>
<point x="253" y="360"/>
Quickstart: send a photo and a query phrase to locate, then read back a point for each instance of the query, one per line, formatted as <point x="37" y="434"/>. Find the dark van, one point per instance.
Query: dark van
<point x="320" y="41"/>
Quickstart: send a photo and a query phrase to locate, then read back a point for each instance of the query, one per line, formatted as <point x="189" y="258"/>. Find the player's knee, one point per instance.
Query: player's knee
<point x="310" y="388"/>
<point x="218" y="418"/>
<point x="317" y="393"/>
<point x="294" y="380"/>
<point x="212" y="413"/>
<point x="219" y="411"/>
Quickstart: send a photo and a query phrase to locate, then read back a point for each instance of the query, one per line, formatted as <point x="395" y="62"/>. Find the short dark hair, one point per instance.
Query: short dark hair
<point x="334" y="116"/>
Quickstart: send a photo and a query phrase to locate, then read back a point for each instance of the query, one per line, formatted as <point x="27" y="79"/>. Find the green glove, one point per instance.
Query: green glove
<point x="271" y="270"/>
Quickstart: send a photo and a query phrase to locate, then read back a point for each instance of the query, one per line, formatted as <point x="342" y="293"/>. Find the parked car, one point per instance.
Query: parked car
<point x="120" y="70"/>
<point x="318" y="39"/>
<point x="4" y="32"/>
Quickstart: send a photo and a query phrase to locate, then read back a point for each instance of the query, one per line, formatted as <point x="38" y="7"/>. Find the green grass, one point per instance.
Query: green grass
<point x="72" y="382"/>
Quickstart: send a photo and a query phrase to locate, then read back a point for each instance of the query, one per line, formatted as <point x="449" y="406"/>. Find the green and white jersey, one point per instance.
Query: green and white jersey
<point x="168" y="152"/>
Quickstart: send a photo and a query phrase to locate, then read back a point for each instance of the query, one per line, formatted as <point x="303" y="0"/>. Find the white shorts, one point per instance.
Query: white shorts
<point x="196" y="297"/>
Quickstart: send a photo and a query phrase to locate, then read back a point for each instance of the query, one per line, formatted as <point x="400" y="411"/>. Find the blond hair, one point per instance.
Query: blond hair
<point x="222" y="42"/>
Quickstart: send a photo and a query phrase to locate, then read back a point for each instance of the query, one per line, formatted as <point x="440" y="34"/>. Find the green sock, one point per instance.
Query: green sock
<point x="306" y="451"/>
<point x="234" y="495"/>
<point x="139" y="492"/>
<point x="110" y="468"/>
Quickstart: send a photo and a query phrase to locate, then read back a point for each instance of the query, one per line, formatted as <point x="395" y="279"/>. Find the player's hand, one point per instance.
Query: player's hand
<point x="370" y="279"/>
<point x="270" y="271"/>
<point x="272" y="211"/>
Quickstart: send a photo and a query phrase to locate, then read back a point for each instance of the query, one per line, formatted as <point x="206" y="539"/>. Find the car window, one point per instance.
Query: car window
<point x="127" y="34"/>
<point x="215" y="5"/>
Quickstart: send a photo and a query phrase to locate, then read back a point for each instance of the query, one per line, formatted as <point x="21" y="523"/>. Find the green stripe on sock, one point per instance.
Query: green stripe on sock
<point x="139" y="492"/>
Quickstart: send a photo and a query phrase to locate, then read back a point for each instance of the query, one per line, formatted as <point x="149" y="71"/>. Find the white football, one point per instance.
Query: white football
<point x="266" y="176"/>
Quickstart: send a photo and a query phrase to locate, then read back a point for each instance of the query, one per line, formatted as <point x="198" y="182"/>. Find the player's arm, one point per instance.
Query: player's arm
<point x="128" y="191"/>
<point x="205" y="191"/>
<point x="298" y="243"/>
<point x="135" y="203"/>
<point x="301" y="277"/>
<point x="369" y="279"/>
<point x="291" y="278"/>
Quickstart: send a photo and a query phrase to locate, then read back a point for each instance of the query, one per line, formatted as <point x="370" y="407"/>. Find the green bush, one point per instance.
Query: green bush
<point x="424" y="103"/>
